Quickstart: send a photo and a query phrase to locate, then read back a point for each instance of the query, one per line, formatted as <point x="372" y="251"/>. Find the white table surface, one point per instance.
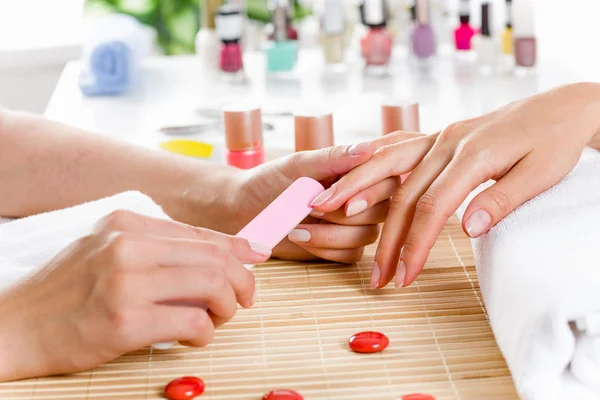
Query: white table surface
<point x="170" y="88"/>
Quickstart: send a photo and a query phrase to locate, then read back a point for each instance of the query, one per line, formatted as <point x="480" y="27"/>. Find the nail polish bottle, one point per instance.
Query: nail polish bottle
<point x="334" y="25"/>
<point x="313" y="128"/>
<point x="243" y="135"/>
<point x="376" y="45"/>
<point x="230" y="26"/>
<point x="507" y="36"/>
<point x="465" y="32"/>
<point x="423" y="38"/>
<point x="484" y="44"/>
<point x="399" y="115"/>
<point x="281" y="52"/>
<point x="525" y="43"/>
<point x="207" y="41"/>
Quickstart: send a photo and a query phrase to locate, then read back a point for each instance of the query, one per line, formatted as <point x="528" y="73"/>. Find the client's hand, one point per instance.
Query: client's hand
<point x="526" y="147"/>
<point x="134" y="282"/>
<point x="332" y="235"/>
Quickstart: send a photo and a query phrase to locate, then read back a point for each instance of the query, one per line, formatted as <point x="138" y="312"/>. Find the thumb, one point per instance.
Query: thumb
<point x="523" y="182"/>
<point x="326" y="163"/>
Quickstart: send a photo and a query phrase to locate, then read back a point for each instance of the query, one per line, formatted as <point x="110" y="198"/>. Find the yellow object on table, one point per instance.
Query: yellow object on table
<point x="190" y="148"/>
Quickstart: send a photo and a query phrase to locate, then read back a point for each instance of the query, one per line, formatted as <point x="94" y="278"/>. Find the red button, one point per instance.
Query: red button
<point x="282" y="394"/>
<point x="185" y="388"/>
<point x="416" y="396"/>
<point x="368" y="342"/>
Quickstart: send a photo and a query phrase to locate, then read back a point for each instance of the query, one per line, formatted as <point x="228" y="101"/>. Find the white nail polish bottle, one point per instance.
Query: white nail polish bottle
<point x="485" y="45"/>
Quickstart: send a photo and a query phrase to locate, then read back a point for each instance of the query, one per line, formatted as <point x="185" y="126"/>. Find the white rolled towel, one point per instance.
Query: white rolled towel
<point x="539" y="272"/>
<point x="27" y="244"/>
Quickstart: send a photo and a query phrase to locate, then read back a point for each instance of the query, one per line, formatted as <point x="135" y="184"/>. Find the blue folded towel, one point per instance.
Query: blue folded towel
<point x="111" y="56"/>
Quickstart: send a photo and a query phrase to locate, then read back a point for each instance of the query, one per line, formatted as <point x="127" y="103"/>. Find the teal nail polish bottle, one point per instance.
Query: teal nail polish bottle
<point x="281" y="51"/>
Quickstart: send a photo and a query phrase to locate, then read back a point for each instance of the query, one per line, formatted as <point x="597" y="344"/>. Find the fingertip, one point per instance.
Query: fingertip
<point x="477" y="223"/>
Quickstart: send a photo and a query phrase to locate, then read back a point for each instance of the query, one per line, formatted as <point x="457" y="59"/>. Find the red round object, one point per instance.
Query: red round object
<point x="185" y="388"/>
<point x="282" y="394"/>
<point x="416" y="396"/>
<point x="368" y="342"/>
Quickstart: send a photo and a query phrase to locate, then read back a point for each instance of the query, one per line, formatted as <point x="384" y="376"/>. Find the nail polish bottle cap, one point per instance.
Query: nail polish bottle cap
<point x="464" y="11"/>
<point x="373" y="13"/>
<point x="313" y="126"/>
<point x="509" y="12"/>
<point x="413" y="13"/>
<point x="399" y="115"/>
<point x="523" y="22"/>
<point x="229" y="22"/>
<point x="333" y="17"/>
<point x="486" y="18"/>
<point x="208" y="12"/>
<point x="423" y="12"/>
<point x="243" y="126"/>
<point x="280" y="15"/>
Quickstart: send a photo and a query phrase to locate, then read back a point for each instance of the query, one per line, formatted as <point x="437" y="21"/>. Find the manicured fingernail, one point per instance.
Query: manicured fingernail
<point x="375" y="276"/>
<point x="359" y="148"/>
<point x="316" y="213"/>
<point x="478" y="223"/>
<point x="400" y="275"/>
<point x="323" y="197"/>
<point x="299" y="235"/>
<point x="260" y="249"/>
<point x="356" y="207"/>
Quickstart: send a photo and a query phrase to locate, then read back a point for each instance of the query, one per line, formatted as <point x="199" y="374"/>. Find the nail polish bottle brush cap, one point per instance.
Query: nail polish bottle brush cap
<point x="509" y="18"/>
<point x="423" y="11"/>
<point x="243" y="126"/>
<point x="373" y="13"/>
<point x="313" y="127"/>
<point x="280" y="12"/>
<point x="229" y="22"/>
<point x="333" y="17"/>
<point x="523" y="22"/>
<point x="464" y="11"/>
<point x="486" y="17"/>
<point x="208" y="12"/>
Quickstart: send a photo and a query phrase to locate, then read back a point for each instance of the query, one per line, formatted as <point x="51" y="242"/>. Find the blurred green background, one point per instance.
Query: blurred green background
<point x="177" y="21"/>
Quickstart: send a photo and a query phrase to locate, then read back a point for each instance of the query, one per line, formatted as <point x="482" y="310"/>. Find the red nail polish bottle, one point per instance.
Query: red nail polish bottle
<point x="230" y="24"/>
<point x="243" y="135"/>
<point x="465" y="32"/>
<point x="376" y="45"/>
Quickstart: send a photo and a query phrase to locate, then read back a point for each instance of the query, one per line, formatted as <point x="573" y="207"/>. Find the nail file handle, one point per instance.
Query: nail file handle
<point x="276" y="221"/>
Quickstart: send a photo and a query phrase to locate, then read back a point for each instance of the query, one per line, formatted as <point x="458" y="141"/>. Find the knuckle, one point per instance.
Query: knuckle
<point x="218" y="256"/>
<point x="400" y="198"/>
<point x="501" y="200"/>
<point x="200" y="323"/>
<point x="115" y="221"/>
<point x="118" y="247"/>
<point x="215" y="278"/>
<point x="428" y="205"/>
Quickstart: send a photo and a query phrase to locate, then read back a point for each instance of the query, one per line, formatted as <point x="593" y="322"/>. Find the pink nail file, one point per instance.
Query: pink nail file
<point x="276" y="221"/>
<point x="280" y="217"/>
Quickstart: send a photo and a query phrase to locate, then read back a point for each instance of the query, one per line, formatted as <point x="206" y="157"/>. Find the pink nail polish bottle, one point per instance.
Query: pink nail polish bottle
<point x="525" y="43"/>
<point x="230" y="25"/>
<point x="376" y="45"/>
<point x="243" y="135"/>
<point x="464" y="32"/>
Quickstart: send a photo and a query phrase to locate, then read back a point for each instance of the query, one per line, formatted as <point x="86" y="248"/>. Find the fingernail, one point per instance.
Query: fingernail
<point x="478" y="223"/>
<point x="400" y="275"/>
<point x="299" y="235"/>
<point x="316" y="213"/>
<point x="260" y="249"/>
<point x="323" y="197"/>
<point x="359" y="148"/>
<point x="356" y="207"/>
<point x="375" y="276"/>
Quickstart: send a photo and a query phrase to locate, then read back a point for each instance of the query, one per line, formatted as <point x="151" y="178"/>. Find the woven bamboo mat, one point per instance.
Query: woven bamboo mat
<point x="296" y="337"/>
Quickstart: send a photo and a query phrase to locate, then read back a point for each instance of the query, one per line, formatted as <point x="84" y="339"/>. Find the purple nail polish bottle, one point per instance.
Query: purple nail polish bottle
<point x="423" y="38"/>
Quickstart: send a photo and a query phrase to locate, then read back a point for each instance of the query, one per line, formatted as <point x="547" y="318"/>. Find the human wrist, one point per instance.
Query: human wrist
<point x="203" y="195"/>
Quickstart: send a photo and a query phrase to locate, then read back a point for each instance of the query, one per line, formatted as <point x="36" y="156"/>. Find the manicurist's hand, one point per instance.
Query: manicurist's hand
<point x="134" y="282"/>
<point x="333" y="235"/>
<point x="526" y="147"/>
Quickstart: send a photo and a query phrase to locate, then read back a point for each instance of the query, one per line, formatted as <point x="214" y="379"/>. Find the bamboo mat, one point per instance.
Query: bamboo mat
<point x="296" y="337"/>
